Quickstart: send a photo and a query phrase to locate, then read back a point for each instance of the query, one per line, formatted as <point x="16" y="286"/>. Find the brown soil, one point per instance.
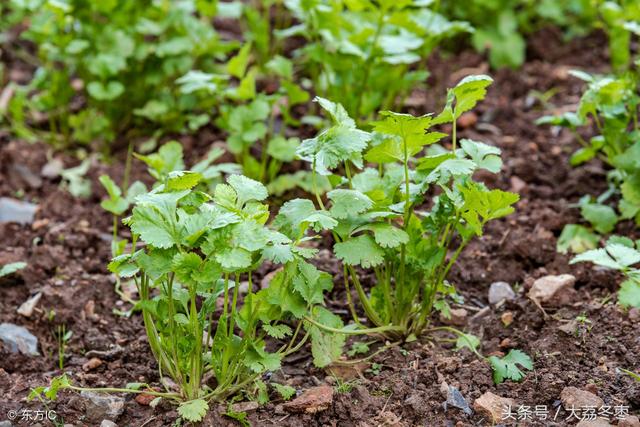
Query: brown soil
<point x="67" y="249"/>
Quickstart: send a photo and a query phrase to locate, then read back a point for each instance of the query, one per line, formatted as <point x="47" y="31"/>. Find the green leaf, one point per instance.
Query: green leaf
<point x="247" y="189"/>
<point x="602" y="217"/>
<point x="484" y="155"/>
<point x="577" y="239"/>
<point x="259" y="360"/>
<point x="347" y="203"/>
<point x="506" y="368"/>
<point x="11" y="268"/>
<point x="238" y="64"/>
<point x="326" y="347"/>
<point x="234" y="259"/>
<point x="629" y="293"/>
<point x="466" y="95"/>
<point x="311" y="283"/>
<point x="387" y="235"/>
<point x="469" y="341"/>
<point x="182" y="180"/>
<point x="361" y="250"/>
<point x="194" y="410"/>
<point x="285" y="391"/>
<point x="277" y="331"/>
<point x="614" y="255"/>
<point x="108" y="92"/>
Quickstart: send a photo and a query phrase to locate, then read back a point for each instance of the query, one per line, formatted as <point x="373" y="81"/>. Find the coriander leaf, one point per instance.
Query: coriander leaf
<point x="285" y="391"/>
<point x="577" y="239"/>
<point x="602" y="217"/>
<point x="194" y="410"/>
<point x="469" y="341"/>
<point x="484" y="155"/>
<point x="247" y="189"/>
<point x="347" y="203"/>
<point x="277" y="331"/>
<point x="629" y="293"/>
<point x="326" y="347"/>
<point x="361" y="250"/>
<point x="182" y="180"/>
<point x="507" y="367"/>
<point x="11" y="268"/>
<point x="387" y="235"/>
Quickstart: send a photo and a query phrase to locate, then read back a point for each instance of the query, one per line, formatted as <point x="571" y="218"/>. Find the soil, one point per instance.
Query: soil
<point x="68" y="246"/>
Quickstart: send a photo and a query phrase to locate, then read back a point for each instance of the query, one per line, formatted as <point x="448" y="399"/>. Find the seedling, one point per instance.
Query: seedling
<point x="620" y="253"/>
<point x="62" y="336"/>
<point x="198" y="249"/>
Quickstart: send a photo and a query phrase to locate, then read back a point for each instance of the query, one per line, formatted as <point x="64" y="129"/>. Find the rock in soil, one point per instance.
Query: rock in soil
<point x="576" y="398"/>
<point x="313" y="400"/>
<point x="145" y="399"/>
<point x="27" y="307"/>
<point x="555" y="290"/>
<point x="107" y="423"/>
<point x="493" y="406"/>
<point x="456" y="399"/>
<point x="629" y="421"/>
<point x="102" y="406"/>
<point x="458" y="317"/>
<point x="12" y="210"/>
<point x="91" y="364"/>
<point x="245" y="406"/>
<point x="18" y="339"/>
<point x="499" y="291"/>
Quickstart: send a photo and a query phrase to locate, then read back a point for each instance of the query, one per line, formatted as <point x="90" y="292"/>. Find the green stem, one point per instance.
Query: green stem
<point x="377" y="330"/>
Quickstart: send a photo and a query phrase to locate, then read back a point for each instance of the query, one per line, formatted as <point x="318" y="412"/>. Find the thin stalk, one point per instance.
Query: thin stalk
<point x="127" y="168"/>
<point x="368" y="64"/>
<point x="377" y="330"/>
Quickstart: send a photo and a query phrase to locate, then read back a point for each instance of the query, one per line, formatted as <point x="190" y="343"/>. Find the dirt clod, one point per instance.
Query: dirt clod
<point x="493" y="406"/>
<point x="554" y="290"/>
<point x="573" y="397"/>
<point x="313" y="400"/>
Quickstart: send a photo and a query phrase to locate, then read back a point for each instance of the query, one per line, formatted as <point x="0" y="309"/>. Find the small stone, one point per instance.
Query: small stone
<point x="12" y="210"/>
<point x="102" y="406"/>
<point x="91" y="364"/>
<point x="457" y="400"/>
<point x="27" y="307"/>
<point x="18" y="339"/>
<point x="467" y="119"/>
<point x="598" y="422"/>
<point x="52" y="169"/>
<point x="40" y="223"/>
<point x="499" y="291"/>
<point x="458" y="317"/>
<point x="313" y="400"/>
<point x="108" y="423"/>
<point x="507" y="318"/>
<point x="145" y="399"/>
<point x="576" y="398"/>
<point x="629" y="421"/>
<point x="245" y="406"/>
<point x="492" y="406"/>
<point x="6" y="424"/>
<point x="634" y="314"/>
<point x="553" y="289"/>
<point x="517" y="184"/>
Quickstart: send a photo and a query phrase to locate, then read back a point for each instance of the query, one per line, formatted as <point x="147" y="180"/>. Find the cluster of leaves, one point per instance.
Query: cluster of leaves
<point x="361" y="52"/>
<point x="501" y="25"/>
<point x="404" y="217"/>
<point x="610" y="104"/>
<point x="121" y="58"/>
<point x="620" y="253"/>
<point x="198" y="249"/>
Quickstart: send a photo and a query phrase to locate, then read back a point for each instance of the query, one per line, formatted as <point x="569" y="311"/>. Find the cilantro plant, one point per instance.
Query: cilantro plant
<point x="198" y="250"/>
<point x="501" y="25"/>
<point x="620" y="253"/>
<point x="610" y="105"/>
<point x="109" y="67"/>
<point x="408" y="218"/>
<point x="361" y="52"/>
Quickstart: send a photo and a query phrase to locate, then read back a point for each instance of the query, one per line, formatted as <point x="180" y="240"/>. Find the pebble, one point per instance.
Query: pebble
<point x="458" y="317"/>
<point x="634" y="314"/>
<point x="27" y="307"/>
<point x="91" y="364"/>
<point x="245" y="406"/>
<point x="552" y="289"/>
<point x="108" y="423"/>
<point x="517" y="184"/>
<point x="145" y="399"/>
<point x="313" y="400"/>
<point x="492" y="406"/>
<point x="102" y="406"/>
<point x="577" y="398"/>
<point x="499" y="291"/>
<point x="467" y="119"/>
<point x="18" y="339"/>
<point x="456" y="399"/>
<point x="13" y="210"/>
<point x="25" y="175"/>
